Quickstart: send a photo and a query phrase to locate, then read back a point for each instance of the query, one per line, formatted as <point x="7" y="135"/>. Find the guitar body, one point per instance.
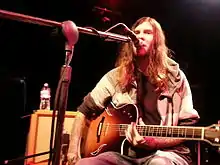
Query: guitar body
<point x="102" y="136"/>
<point x="107" y="132"/>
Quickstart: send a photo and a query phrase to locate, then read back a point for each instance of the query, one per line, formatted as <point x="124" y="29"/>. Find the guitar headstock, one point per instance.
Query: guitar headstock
<point x="212" y="134"/>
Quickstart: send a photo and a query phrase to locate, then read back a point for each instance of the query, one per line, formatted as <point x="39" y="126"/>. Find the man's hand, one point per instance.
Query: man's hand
<point x="137" y="140"/>
<point x="133" y="136"/>
<point x="149" y="143"/>
<point x="72" y="158"/>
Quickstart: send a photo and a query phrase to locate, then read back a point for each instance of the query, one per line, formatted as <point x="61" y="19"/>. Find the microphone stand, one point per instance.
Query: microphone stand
<point x="70" y="31"/>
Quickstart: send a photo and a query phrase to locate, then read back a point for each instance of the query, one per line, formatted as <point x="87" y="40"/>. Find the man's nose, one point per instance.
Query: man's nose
<point x="140" y="36"/>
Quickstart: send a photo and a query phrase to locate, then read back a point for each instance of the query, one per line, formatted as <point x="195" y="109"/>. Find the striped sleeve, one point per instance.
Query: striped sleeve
<point x="94" y="103"/>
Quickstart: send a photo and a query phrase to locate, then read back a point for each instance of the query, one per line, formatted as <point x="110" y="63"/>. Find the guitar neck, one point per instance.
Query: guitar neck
<point x="179" y="132"/>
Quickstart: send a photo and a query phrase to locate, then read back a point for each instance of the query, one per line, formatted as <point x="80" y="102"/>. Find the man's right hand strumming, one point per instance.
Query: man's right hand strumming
<point x="78" y="126"/>
<point x="72" y="158"/>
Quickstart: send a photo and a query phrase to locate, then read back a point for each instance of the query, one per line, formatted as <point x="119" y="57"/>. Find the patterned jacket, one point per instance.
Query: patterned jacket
<point x="180" y="108"/>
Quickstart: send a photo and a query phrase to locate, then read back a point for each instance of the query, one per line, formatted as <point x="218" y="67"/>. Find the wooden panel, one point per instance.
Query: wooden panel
<point x="38" y="140"/>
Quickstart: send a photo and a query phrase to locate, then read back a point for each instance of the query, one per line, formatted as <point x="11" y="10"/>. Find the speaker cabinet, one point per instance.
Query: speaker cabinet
<point x="38" y="140"/>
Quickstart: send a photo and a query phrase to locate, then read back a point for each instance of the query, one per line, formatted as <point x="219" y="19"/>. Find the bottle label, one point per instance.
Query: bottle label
<point x="45" y="94"/>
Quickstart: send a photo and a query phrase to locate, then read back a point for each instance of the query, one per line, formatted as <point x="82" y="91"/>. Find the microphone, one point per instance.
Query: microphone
<point x="71" y="33"/>
<point x="133" y="37"/>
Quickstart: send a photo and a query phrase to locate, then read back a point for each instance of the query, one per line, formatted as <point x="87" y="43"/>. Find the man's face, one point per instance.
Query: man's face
<point x="144" y="33"/>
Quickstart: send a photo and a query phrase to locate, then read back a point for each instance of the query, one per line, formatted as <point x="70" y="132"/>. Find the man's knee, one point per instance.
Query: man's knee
<point x="100" y="159"/>
<point x="84" y="161"/>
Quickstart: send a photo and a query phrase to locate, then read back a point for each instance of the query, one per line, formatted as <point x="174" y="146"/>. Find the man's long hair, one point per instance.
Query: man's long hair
<point x="157" y="59"/>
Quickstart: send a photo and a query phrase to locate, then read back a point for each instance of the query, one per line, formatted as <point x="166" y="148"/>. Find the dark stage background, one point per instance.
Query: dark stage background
<point x="31" y="55"/>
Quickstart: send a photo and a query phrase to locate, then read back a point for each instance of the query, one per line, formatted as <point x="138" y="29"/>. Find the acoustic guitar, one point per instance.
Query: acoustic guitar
<point x="107" y="132"/>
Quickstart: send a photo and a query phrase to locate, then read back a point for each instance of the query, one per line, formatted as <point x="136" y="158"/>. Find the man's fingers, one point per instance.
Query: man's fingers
<point x="132" y="135"/>
<point x="141" y="121"/>
<point x="138" y="139"/>
<point x="128" y="134"/>
<point x="72" y="158"/>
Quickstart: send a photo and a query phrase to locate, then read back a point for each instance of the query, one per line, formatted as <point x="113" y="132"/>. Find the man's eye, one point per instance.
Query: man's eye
<point x="148" y="32"/>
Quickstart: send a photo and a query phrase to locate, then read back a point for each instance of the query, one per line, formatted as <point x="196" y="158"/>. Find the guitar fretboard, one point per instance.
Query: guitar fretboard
<point x="165" y="131"/>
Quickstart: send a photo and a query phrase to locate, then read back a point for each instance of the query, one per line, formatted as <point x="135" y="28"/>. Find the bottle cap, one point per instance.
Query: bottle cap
<point x="46" y="85"/>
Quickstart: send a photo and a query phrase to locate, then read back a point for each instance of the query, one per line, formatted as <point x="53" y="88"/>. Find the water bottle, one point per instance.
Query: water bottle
<point x="45" y="97"/>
